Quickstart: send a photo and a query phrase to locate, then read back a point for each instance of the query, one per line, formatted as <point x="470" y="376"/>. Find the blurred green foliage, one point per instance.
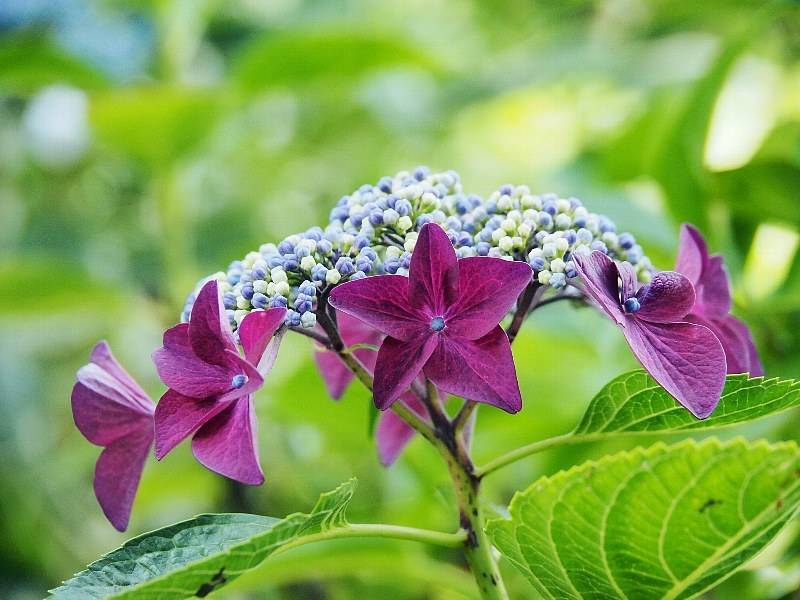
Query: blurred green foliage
<point x="144" y="145"/>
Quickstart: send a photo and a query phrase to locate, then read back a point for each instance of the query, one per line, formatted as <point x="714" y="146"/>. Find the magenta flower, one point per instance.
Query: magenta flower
<point x="111" y="410"/>
<point x="686" y="359"/>
<point x="443" y="320"/>
<point x="392" y="434"/>
<point x="713" y="302"/>
<point x="211" y="386"/>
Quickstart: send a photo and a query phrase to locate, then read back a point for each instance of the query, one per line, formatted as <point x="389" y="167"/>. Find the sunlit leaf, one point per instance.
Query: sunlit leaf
<point x="198" y="556"/>
<point x="634" y="402"/>
<point x="661" y="523"/>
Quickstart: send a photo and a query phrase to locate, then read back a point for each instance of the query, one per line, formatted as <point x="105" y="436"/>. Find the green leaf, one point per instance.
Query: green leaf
<point x="666" y="522"/>
<point x="635" y="403"/>
<point x="154" y="124"/>
<point x="299" y="58"/>
<point x="195" y="557"/>
<point x="29" y="63"/>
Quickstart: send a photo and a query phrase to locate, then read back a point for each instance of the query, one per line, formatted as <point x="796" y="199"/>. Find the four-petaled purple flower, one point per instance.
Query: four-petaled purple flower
<point x="111" y="410"/>
<point x="443" y="319"/>
<point x="686" y="359"/>
<point x="713" y="302"/>
<point x="211" y="386"/>
<point x="392" y="434"/>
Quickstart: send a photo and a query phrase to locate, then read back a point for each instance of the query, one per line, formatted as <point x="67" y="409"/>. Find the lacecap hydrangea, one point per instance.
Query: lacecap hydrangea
<point x="373" y="231"/>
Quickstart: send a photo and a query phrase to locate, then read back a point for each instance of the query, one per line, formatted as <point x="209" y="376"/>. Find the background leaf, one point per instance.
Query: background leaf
<point x="634" y="402"/>
<point x="195" y="557"/>
<point x="666" y="522"/>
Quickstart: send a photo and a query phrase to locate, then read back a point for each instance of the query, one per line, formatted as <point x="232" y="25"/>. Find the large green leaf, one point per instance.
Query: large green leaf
<point x="635" y="403"/>
<point x="666" y="522"/>
<point x="197" y="556"/>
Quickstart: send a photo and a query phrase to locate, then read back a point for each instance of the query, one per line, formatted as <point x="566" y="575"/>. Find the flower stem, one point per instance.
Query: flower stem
<point x="425" y="536"/>
<point x="567" y="439"/>
<point x="524" y="303"/>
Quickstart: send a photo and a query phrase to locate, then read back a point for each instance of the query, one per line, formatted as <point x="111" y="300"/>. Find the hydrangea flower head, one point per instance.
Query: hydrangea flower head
<point x="211" y="386"/>
<point x="111" y="410"/>
<point x="713" y="302"/>
<point x="686" y="359"/>
<point x="443" y="320"/>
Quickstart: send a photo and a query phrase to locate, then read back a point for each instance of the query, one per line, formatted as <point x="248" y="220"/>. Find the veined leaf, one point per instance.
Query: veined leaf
<point x="196" y="557"/>
<point x="634" y="402"/>
<point x="661" y="523"/>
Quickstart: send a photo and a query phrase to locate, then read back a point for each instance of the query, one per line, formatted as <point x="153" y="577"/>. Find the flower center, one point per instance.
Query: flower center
<point x="238" y="381"/>
<point x="632" y="305"/>
<point x="437" y="323"/>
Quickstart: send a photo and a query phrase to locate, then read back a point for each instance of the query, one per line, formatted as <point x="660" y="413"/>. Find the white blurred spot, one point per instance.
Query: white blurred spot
<point x="56" y="126"/>
<point x="745" y="113"/>
<point x="769" y="259"/>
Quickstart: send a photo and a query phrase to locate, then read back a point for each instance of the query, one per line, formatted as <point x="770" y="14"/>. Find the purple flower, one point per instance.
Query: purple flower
<point x="211" y="386"/>
<point x="111" y="410"/>
<point x="442" y="319"/>
<point x="713" y="302"/>
<point x="392" y="434"/>
<point x="686" y="359"/>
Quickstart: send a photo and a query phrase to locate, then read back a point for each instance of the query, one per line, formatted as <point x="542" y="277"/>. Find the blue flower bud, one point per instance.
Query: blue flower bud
<point x="405" y="260"/>
<point x="570" y="271"/>
<point x="303" y="303"/>
<point x="506" y="190"/>
<point x="259" y="273"/>
<point x="307" y="288"/>
<point x="234" y="278"/>
<point x="558" y="280"/>
<point x="464" y="239"/>
<point x="385" y="184"/>
<point x="319" y="272"/>
<point x="345" y="266"/>
<point x="301" y="252"/>
<point x="278" y="302"/>
<point x="285" y="247"/>
<point x="392" y="199"/>
<point x="626" y="241"/>
<point x="585" y="236"/>
<point x="314" y="233"/>
<point x="550" y="207"/>
<point x="574" y="203"/>
<point x="607" y="225"/>
<point x="482" y="248"/>
<point x="376" y="217"/>
<point x="570" y="236"/>
<point x="635" y="254"/>
<point x="461" y="205"/>
<point x="229" y="300"/>
<point x="292" y="318"/>
<point x="423" y="218"/>
<point x="490" y="206"/>
<point x="247" y="291"/>
<point x="579" y="221"/>
<point x="290" y="262"/>
<point x="632" y="305"/>
<point x="403" y="207"/>
<point x="545" y="219"/>
<point x="357" y="275"/>
<point x="452" y="223"/>
<point x="421" y="173"/>
<point x="259" y="300"/>
<point x="391" y="265"/>
<point x="600" y="246"/>
<point x="537" y="263"/>
<point x="364" y="264"/>
<point x="231" y="317"/>
<point x="368" y="253"/>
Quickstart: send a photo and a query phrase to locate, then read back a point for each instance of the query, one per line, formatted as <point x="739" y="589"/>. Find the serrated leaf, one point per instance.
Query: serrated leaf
<point x="665" y="522"/>
<point x="198" y="556"/>
<point x="635" y="403"/>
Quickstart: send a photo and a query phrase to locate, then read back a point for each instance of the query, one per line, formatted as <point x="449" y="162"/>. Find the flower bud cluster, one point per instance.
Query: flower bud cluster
<point x="373" y="231"/>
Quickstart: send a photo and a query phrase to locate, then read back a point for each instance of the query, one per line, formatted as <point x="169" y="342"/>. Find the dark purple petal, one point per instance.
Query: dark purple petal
<point x="433" y="273"/>
<point x="227" y="443"/>
<point x="257" y="330"/>
<point x="481" y="370"/>
<point x="178" y="416"/>
<point x="666" y="299"/>
<point x="740" y="351"/>
<point x="103" y="358"/>
<point x="692" y="253"/>
<point x="713" y="291"/>
<point x="706" y="273"/>
<point x="392" y="434"/>
<point x="183" y="371"/>
<point x="687" y="360"/>
<point x="601" y="282"/>
<point x="381" y="302"/>
<point x="209" y="330"/>
<point x="117" y="474"/>
<point x="334" y="372"/>
<point x="488" y="288"/>
<point x="398" y="364"/>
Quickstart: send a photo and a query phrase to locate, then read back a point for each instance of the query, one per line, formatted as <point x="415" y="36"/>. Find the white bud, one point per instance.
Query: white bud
<point x="610" y="239"/>
<point x="535" y="253"/>
<point x="224" y="286"/>
<point x="308" y="319"/>
<point x="497" y="234"/>
<point x="410" y="244"/>
<point x="549" y="250"/>
<point x="557" y="265"/>
<point x="505" y="204"/>
<point x="508" y="225"/>
<point x="239" y="315"/>
<point x="404" y="223"/>
<point x="282" y="288"/>
<point x="393" y="252"/>
<point x="515" y="216"/>
<point x="242" y="302"/>
<point x="544" y="277"/>
<point x="333" y="276"/>
<point x="517" y="242"/>
<point x="505" y="244"/>
<point x="524" y="230"/>
<point x="260" y="286"/>
<point x="306" y="263"/>
<point x="562" y="245"/>
<point x="563" y="206"/>
<point x="278" y="275"/>
<point x="390" y="216"/>
<point x="563" y="221"/>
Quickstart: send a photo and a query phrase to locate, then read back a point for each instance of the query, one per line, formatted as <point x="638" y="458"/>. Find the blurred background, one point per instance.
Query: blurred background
<point x="145" y="144"/>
